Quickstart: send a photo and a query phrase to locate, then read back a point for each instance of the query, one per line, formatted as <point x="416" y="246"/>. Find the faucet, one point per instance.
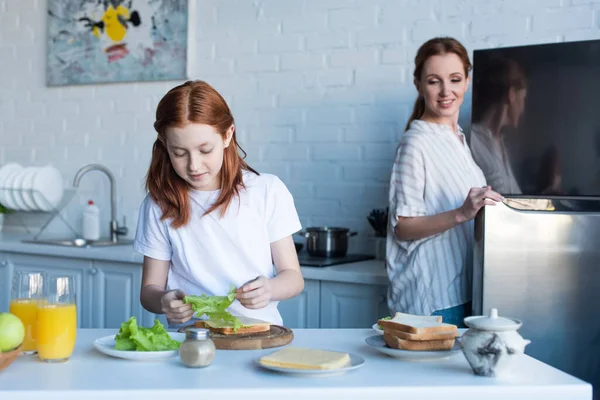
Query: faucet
<point x="115" y="229"/>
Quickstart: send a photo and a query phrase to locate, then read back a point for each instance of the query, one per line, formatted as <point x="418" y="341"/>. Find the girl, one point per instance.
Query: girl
<point x="209" y="220"/>
<point x="430" y="231"/>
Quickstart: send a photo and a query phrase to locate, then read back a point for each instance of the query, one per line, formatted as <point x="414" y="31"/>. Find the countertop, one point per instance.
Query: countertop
<point x="234" y="375"/>
<point x="372" y="272"/>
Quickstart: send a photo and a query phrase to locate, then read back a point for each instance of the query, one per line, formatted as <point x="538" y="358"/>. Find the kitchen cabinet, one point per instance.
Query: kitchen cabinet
<point x="351" y="305"/>
<point x="302" y="311"/>
<point x="53" y="266"/>
<point x="108" y="294"/>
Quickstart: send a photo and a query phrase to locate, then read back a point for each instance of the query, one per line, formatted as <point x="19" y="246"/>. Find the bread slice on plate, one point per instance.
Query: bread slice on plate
<point x="249" y="325"/>
<point x="429" y="345"/>
<point x="420" y="337"/>
<point x="417" y="324"/>
<point x="299" y="358"/>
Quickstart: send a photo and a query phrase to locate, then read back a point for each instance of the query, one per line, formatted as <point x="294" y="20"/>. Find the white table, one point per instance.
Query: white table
<point x="234" y="375"/>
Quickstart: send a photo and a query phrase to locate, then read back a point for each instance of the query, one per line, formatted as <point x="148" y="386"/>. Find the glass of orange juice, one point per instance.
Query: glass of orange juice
<point x="57" y="320"/>
<point x="28" y="291"/>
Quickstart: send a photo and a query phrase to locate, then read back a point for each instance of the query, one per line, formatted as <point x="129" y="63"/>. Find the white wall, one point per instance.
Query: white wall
<point x="320" y="90"/>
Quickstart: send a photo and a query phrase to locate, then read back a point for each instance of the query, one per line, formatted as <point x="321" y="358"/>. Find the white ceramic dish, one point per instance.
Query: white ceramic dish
<point x="7" y="169"/>
<point x="11" y="197"/>
<point x="378" y="343"/>
<point x="377" y="329"/>
<point x="355" y="362"/>
<point x="26" y="185"/>
<point x="106" y="345"/>
<point x="48" y="188"/>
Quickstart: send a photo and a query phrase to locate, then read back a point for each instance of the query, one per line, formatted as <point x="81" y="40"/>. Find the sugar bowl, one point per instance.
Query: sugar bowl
<point x="492" y="343"/>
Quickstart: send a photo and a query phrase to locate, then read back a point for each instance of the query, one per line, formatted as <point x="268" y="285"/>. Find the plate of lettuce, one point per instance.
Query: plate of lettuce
<point x="139" y="343"/>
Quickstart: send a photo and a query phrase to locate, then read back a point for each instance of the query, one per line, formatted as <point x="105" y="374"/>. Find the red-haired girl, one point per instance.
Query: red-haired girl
<point x="209" y="220"/>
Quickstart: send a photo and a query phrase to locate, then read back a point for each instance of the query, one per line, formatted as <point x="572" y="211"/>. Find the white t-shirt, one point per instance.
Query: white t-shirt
<point x="432" y="173"/>
<point x="212" y="252"/>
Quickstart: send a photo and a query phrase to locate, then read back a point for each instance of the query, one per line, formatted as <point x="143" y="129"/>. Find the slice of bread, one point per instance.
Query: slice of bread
<point x="422" y="336"/>
<point x="249" y="325"/>
<point x="417" y="324"/>
<point x="433" y="318"/>
<point x="428" y="345"/>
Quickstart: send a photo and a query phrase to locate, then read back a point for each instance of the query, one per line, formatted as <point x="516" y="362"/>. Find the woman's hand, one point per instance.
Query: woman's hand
<point x="172" y="305"/>
<point x="255" y="294"/>
<point x="476" y="199"/>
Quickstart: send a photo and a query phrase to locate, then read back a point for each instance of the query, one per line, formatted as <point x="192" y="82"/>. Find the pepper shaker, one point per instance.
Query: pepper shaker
<point x="197" y="350"/>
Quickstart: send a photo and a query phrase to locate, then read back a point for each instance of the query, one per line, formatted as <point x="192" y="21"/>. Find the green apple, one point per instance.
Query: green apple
<point x="12" y="332"/>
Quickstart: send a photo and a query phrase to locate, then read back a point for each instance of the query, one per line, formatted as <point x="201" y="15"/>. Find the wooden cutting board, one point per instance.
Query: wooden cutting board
<point x="276" y="337"/>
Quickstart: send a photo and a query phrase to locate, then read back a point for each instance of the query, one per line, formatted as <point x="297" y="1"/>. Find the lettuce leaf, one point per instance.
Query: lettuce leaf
<point x="133" y="337"/>
<point x="215" y="307"/>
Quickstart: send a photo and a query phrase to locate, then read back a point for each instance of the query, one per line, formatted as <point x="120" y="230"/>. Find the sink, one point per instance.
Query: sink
<point x="81" y="242"/>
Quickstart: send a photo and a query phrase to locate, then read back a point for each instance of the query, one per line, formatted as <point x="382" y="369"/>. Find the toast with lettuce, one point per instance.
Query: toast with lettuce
<point x="219" y="319"/>
<point x="132" y="337"/>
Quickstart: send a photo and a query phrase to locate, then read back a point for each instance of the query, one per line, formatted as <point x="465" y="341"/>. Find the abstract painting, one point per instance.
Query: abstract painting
<point x="101" y="41"/>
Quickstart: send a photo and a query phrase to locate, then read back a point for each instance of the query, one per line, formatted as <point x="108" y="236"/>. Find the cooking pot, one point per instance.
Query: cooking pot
<point x="327" y="241"/>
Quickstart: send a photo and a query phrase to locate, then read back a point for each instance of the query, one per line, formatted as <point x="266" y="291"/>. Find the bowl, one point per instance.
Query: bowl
<point x="8" y="357"/>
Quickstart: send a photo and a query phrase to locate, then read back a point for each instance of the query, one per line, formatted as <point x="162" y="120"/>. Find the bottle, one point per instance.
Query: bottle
<point x="197" y="350"/>
<point x="91" y="222"/>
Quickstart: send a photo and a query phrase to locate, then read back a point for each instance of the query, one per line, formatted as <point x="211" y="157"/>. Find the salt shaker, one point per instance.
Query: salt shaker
<point x="197" y="350"/>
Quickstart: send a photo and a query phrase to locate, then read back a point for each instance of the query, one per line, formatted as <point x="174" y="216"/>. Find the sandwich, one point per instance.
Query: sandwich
<point x="417" y="332"/>
<point x="219" y="319"/>
<point x="248" y="325"/>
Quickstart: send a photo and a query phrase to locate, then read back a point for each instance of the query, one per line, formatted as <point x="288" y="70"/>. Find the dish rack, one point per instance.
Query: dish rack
<point x="54" y="211"/>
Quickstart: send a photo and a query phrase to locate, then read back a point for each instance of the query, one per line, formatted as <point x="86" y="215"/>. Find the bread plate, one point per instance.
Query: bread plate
<point x="355" y="362"/>
<point x="377" y="329"/>
<point x="378" y="343"/>
<point x="106" y="345"/>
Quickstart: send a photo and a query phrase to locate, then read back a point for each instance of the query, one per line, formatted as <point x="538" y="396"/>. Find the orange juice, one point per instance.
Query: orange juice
<point x="56" y="331"/>
<point x="26" y="310"/>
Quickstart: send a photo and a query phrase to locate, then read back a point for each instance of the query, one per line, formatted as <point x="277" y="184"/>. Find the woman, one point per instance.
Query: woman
<point x="498" y="104"/>
<point x="430" y="229"/>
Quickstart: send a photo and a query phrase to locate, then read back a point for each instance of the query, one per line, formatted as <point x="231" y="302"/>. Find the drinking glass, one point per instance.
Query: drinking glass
<point x="57" y="320"/>
<point x="28" y="292"/>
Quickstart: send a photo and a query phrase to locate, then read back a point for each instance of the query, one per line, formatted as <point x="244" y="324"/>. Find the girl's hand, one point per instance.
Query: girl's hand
<point x="176" y="311"/>
<point x="255" y="294"/>
<point x="476" y="199"/>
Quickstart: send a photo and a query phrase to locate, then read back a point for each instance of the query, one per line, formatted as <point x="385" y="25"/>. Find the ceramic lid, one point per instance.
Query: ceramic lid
<point x="493" y="322"/>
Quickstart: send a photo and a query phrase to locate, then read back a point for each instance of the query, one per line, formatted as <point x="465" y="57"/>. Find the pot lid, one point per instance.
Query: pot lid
<point x="493" y="322"/>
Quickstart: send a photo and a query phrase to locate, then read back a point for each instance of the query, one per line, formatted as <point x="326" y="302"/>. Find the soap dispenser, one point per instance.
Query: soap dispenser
<point x="91" y="222"/>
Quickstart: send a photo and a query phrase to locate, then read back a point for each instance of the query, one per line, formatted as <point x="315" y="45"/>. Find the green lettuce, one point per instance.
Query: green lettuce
<point x="215" y="307"/>
<point x="132" y="337"/>
<point x="384" y="318"/>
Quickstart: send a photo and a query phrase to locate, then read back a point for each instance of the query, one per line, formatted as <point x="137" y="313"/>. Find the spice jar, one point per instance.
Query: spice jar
<point x="197" y="350"/>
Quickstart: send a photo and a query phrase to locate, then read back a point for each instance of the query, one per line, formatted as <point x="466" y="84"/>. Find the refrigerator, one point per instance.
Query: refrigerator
<point x="538" y="261"/>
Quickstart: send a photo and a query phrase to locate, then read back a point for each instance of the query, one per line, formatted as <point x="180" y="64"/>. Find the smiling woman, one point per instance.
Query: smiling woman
<point x="430" y="230"/>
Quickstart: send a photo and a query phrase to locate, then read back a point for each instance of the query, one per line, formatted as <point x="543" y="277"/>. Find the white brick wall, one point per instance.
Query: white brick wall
<point x="320" y="89"/>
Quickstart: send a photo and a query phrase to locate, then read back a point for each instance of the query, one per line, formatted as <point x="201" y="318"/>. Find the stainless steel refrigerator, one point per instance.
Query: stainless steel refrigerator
<point x="539" y="261"/>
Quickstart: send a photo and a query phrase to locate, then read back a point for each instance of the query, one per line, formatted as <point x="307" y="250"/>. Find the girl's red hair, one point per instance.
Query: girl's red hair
<point x="193" y="102"/>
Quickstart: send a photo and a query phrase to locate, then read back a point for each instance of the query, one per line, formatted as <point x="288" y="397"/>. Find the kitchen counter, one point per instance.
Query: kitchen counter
<point x="233" y="374"/>
<point x="364" y="272"/>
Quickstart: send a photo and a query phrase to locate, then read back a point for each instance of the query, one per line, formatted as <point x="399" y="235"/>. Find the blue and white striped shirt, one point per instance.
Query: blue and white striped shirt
<point x="432" y="173"/>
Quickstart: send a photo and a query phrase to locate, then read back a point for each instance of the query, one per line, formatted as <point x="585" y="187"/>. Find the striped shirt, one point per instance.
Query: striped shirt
<point x="492" y="158"/>
<point x="432" y="173"/>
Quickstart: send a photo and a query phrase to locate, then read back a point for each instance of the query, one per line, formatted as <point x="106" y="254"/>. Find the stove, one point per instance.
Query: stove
<point x="307" y="261"/>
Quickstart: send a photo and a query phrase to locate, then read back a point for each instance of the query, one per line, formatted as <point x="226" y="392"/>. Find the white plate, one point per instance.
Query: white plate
<point x="6" y="170"/>
<point x="355" y="362"/>
<point x="377" y="329"/>
<point x="47" y="188"/>
<point x="106" y="345"/>
<point x="26" y="185"/>
<point x="11" y="195"/>
<point x="411" y="355"/>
